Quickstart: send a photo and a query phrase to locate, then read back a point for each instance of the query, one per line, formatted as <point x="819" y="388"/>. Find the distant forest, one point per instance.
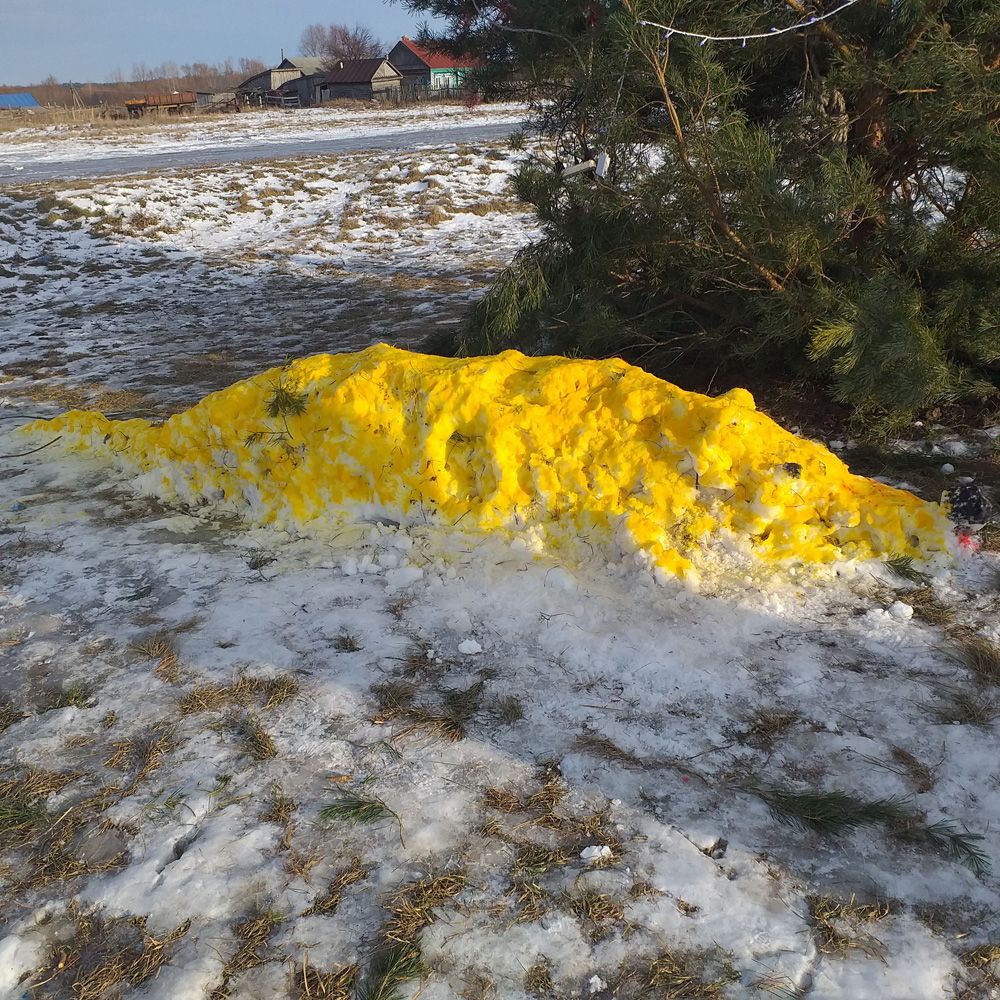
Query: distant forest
<point x="144" y="80"/>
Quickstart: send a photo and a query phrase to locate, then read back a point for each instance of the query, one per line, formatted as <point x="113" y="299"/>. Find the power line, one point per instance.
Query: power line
<point x="668" y="30"/>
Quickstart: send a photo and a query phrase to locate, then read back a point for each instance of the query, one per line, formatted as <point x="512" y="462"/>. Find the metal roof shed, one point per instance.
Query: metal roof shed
<point x="22" y="100"/>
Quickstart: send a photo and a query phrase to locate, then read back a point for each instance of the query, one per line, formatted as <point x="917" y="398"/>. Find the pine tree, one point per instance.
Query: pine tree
<point x="825" y="200"/>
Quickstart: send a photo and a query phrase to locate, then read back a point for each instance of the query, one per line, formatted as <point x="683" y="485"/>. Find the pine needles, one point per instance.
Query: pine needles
<point x="355" y="809"/>
<point x="830" y="813"/>
<point x="391" y="966"/>
<point x="285" y="401"/>
<point x="837" y="812"/>
<point x="902" y="566"/>
<point x="951" y="841"/>
<point x="358" y="809"/>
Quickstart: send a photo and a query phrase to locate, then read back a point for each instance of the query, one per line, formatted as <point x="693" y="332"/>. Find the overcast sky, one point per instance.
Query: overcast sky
<point x="83" y="40"/>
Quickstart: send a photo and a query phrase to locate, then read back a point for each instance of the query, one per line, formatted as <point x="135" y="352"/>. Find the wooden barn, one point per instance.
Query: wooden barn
<point x="360" y="80"/>
<point x="263" y="88"/>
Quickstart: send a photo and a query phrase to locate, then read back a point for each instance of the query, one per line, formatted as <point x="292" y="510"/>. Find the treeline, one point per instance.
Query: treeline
<point x="142" y="80"/>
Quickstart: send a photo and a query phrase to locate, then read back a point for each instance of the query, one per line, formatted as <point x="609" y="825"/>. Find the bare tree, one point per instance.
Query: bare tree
<point x="251" y="67"/>
<point x="359" y="42"/>
<point x="314" y="40"/>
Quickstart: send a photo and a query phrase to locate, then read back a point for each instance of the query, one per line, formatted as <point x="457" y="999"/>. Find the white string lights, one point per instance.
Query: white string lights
<point x="668" y="30"/>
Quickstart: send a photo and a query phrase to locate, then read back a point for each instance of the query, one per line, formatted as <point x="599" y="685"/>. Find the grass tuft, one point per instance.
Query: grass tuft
<point x="254" y="739"/>
<point x="959" y="706"/>
<point x="766" y="727"/>
<point x="532" y="861"/>
<point x="104" y="958"/>
<point x="160" y="647"/>
<point x="272" y="691"/>
<point x="838" y="925"/>
<point x="350" y="875"/>
<point x="928" y="607"/>
<point x="140" y="756"/>
<point x="9" y="715"/>
<point x="309" y="983"/>
<point x="75" y="696"/>
<point x="510" y="709"/>
<point x="690" y="976"/>
<point x="347" y="642"/>
<point x="412" y="906"/>
<point x="604" y="746"/>
<point x="538" y="980"/>
<point x="596" y="907"/>
<point x="253" y="933"/>
<point x="982" y="659"/>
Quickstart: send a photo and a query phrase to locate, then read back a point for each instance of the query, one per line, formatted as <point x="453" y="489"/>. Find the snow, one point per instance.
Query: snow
<point x="655" y="709"/>
<point x="55" y="143"/>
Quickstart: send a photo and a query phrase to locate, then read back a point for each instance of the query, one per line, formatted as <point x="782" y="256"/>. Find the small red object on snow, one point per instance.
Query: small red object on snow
<point x="685" y="779"/>
<point x="969" y="543"/>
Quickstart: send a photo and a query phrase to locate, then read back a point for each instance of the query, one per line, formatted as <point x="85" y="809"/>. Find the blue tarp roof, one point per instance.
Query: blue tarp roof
<point x="24" y="100"/>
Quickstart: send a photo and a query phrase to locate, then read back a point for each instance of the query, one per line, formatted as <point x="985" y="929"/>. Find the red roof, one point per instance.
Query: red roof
<point x="437" y="60"/>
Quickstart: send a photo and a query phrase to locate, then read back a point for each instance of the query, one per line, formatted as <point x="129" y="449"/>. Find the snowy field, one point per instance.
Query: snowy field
<point x="400" y="762"/>
<point x="100" y="140"/>
<point x="213" y="273"/>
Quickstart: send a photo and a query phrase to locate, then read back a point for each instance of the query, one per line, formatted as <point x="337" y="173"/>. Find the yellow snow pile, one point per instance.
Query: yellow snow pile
<point x="551" y="449"/>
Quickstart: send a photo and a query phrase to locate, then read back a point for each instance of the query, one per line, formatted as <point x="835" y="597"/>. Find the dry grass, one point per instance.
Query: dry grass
<point x="576" y="832"/>
<point x="927" y="607"/>
<point x="9" y="715"/>
<point x="309" y="983"/>
<point x="104" y="957"/>
<point x="255" y="740"/>
<point x="412" y="906"/>
<point x="140" y="756"/>
<point x="502" y="800"/>
<point x="22" y="809"/>
<point x="531" y="899"/>
<point x="280" y="808"/>
<point x="49" y="838"/>
<point x="838" y="925"/>
<point x="272" y="692"/>
<point x="922" y="776"/>
<point x="603" y="746"/>
<point x="981" y="658"/>
<point x="532" y="861"/>
<point x="253" y="933"/>
<point x="15" y="637"/>
<point x="959" y="706"/>
<point x="596" y="907"/>
<point x="766" y="727"/>
<point x="689" y="976"/>
<point x="538" y="980"/>
<point x="161" y="647"/>
<point x="327" y="904"/>
<point x="397" y="702"/>
<point x="347" y="642"/>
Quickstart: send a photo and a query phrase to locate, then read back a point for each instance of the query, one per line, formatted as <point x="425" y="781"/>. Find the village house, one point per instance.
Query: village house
<point x="421" y="68"/>
<point x="261" y="89"/>
<point x="360" y="80"/>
